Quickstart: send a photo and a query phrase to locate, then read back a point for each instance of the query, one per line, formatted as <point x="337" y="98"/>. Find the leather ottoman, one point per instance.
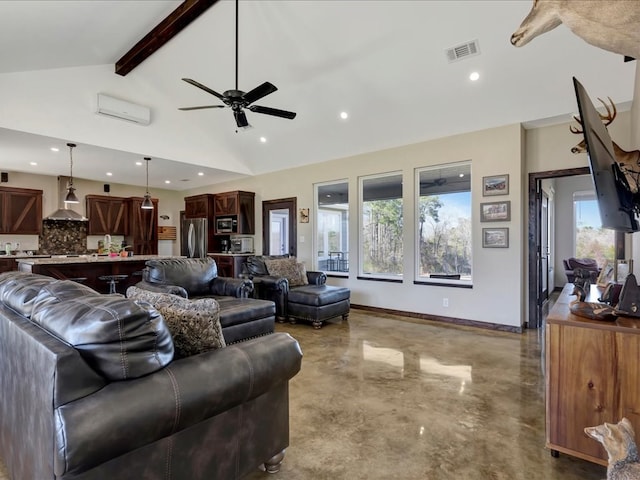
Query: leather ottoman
<point x="317" y="303"/>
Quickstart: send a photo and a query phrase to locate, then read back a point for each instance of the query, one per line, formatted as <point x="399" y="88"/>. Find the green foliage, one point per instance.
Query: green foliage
<point x="597" y="243"/>
<point x="382" y="236"/>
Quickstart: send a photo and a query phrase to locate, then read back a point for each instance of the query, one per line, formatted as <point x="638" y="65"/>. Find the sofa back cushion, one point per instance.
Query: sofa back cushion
<point x="585" y="263"/>
<point x="193" y="274"/>
<point x="117" y="337"/>
<point x="194" y="324"/>
<point x="18" y="290"/>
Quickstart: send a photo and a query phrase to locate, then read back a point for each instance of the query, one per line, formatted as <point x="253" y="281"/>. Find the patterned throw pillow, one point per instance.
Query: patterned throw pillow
<point x="288" y="268"/>
<point x="194" y="324"/>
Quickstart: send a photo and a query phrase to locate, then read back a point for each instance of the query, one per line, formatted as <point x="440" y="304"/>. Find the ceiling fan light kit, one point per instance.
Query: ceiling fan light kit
<point x="239" y="100"/>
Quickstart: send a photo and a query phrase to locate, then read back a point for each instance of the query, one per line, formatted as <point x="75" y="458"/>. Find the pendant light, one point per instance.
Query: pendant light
<point x="71" y="196"/>
<point x="147" y="204"/>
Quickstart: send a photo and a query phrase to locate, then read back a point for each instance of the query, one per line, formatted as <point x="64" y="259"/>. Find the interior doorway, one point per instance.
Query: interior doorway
<point x="279" y="230"/>
<point x="540" y="243"/>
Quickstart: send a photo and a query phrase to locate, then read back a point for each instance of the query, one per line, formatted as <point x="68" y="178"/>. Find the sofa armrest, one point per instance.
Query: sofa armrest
<point x="173" y="289"/>
<point x="232" y="287"/>
<point x="188" y="391"/>
<point x="316" y="278"/>
<point x="268" y="282"/>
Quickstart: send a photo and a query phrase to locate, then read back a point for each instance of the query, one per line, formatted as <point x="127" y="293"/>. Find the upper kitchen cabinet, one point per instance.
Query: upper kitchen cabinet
<point x="199" y="206"/>
<point x="239" y="206"/>
<point x="143" y="227"/>
<point x="107" y="215"/>
<point x="20" y="211"/>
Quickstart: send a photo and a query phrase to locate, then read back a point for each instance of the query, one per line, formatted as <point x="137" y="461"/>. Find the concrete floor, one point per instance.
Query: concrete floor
<point x="384" y="397"/>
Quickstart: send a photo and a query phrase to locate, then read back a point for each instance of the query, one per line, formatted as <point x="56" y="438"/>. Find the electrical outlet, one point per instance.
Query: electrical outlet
<point x="445" y="302"/>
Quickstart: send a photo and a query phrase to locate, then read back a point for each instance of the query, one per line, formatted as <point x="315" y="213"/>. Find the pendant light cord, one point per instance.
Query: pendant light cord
<point x="236" y="44"/>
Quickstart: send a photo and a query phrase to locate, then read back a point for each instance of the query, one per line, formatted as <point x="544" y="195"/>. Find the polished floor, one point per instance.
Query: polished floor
<point x="385" y="397"/>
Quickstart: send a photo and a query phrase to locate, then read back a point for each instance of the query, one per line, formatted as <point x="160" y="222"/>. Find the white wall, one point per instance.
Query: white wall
<point x="497" y="273"/>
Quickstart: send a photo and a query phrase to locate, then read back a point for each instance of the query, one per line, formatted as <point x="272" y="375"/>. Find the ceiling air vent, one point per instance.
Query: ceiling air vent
<point x="464" y="50"/>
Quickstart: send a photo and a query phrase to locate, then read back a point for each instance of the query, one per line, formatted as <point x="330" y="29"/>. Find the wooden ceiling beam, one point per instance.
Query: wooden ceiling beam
<point x="168" y="28"/>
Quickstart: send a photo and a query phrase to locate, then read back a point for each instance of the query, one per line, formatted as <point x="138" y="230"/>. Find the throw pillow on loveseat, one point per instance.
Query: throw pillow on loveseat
<point x="194" y="324"/>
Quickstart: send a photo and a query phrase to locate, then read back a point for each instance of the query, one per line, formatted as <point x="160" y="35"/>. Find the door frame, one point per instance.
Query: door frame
<point x="536" y="305"/>
<point x="280" y="204"/>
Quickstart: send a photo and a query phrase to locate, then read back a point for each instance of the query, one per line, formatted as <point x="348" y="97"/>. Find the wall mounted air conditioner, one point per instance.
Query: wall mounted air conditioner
<point x="116" y="108"/>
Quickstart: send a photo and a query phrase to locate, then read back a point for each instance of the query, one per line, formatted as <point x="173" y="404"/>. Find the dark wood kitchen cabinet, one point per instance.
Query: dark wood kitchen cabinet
<point x="199" y="206"/>
<point x="20" y="211"/>
<point x="107" y="215"/>
<point x="143" y="227"/>
<point x="239" y="206"/>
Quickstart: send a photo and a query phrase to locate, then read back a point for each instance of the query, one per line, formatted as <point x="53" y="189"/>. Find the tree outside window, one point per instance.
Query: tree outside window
<point x="382" y="225"/>
<point x="591" y="240"/>
<point x="444" y="222"/>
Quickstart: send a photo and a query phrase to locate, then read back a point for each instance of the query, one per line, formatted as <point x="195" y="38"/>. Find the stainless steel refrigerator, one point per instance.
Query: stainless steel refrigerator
<point x="194" y="237"/>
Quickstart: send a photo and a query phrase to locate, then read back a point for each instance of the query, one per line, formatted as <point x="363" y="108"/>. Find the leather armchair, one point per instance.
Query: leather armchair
<point x="273" y="288"/>
<point x="571" y="264"/>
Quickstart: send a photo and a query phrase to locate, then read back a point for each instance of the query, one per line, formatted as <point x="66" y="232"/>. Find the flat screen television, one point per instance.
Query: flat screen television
<point x="618" y="205"/>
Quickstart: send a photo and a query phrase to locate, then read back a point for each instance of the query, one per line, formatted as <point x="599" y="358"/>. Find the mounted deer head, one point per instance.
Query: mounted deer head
<point x="628" y="161"/>
<point x="612" y="25"/>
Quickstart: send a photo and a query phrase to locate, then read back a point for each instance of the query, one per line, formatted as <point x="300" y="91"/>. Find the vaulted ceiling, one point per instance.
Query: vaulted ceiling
<point x="382" y="62"/>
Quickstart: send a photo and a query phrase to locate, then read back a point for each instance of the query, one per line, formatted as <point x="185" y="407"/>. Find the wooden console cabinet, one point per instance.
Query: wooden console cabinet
<point x="592" y="376"/>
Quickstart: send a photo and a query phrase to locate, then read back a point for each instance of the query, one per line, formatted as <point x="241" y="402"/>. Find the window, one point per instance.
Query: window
<point x="381" y="227"/>
<point x="332" y="226"/>
<point x="591" y="240"/>
<point x="443" y="216"/>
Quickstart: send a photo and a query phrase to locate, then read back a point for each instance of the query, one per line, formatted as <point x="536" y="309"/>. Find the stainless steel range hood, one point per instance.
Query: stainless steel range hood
<point x="63" y="213"/>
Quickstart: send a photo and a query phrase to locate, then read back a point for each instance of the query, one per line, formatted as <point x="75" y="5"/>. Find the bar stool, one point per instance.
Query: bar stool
<point x="112" y="279"/>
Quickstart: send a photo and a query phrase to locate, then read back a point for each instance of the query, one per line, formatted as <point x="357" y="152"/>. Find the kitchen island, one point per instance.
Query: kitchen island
<point x="87" y="269"/>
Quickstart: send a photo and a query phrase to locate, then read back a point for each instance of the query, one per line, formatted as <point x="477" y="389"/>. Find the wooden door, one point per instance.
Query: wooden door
<point x="288" y="240"/>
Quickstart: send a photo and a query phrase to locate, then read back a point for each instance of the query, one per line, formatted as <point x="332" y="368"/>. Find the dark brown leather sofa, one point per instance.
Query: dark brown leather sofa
<point x="90" y="391"/>
<point x="241" y="317"/>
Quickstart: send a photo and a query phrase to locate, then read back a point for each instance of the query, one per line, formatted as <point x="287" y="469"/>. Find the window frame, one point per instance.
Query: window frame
<point x="397" y="278"/>
<point x="316" y="211"/>
<point x="422" y="280"/>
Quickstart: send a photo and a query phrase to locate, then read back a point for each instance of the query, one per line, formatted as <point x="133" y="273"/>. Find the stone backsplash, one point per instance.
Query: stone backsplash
<point x="62" y="237"/>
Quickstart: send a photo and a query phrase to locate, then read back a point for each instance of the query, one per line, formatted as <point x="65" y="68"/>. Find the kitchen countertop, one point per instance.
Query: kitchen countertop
<point x="89" y="259"/>
<point x="231" y="254"/>
<point x="23" y="255"/>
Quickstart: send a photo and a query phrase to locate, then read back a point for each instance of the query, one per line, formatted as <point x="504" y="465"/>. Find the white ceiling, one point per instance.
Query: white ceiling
<point x="381" y="61"/>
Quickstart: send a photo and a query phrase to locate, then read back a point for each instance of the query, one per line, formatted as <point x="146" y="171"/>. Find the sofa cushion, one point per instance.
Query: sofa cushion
<point x="194" y="324"/>
<point x="318" y="295"/>
<point x="193" y="274"/>
<point x="18" y="290"/>
<point x="117" y="337"/>
<point x="235" y="311"/>
<point x="289" y="268"/>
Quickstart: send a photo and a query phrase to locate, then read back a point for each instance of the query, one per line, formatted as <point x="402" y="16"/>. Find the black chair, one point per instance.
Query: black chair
<point x="113" y="280"/>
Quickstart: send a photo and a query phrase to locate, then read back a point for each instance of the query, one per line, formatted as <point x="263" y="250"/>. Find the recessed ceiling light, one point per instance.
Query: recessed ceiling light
<point x="200" y="174"/>
<point x="33" y="163"/>
<point x="139" y="164"/>
<point x="344" y="115"/>
<point x="55" y="149"/>
<point x="474" y="76"/>
<point x="167" y="181"/>
<point x="263" y="139"/>
<point x="109" y="174"/>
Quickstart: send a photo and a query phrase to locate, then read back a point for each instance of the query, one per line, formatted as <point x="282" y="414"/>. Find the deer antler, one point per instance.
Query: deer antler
<point x="611" y="115"/>
<point x="574" y="129"/>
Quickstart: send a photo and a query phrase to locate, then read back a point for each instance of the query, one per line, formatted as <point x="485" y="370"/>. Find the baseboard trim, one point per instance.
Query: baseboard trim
<point x="437" y="318"/>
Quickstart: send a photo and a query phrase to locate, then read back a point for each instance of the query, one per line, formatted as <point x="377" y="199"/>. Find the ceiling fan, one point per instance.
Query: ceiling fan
<point x="437" y="182"/>
<point x="239" y="100"/>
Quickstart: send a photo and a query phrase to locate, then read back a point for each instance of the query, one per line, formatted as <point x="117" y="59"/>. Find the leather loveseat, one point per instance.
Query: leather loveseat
<point x="90" y="390"/>
<point x="241" y="317"/>
<point x="589" y="264"/>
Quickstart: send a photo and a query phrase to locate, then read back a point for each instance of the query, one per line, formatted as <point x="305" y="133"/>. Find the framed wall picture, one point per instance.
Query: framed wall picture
<point x="495" y="237"/>
<point x="304" y="215"/>
<point x="495" y="211"/>
<point x="495" y="185"/>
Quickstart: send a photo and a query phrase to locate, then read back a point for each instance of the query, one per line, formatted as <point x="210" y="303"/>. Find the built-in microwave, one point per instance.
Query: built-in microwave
<point x="226" y="225"/>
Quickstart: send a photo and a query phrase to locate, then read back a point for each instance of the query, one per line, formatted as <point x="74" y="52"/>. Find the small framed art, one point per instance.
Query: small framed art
<point x="304" y="215"/>
<point x="495" y="185"/>
<point x="495" y="211"/>
<point x="495" y="237"/>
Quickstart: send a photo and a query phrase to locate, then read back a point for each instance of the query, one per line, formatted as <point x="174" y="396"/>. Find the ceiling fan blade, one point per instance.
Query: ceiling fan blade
<point x="200" y="108"/>
<point x="272" y="111"/>
<point x="241" y="118"/>
<point x="257" y="93"/>
<point x="203" y="87"/>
